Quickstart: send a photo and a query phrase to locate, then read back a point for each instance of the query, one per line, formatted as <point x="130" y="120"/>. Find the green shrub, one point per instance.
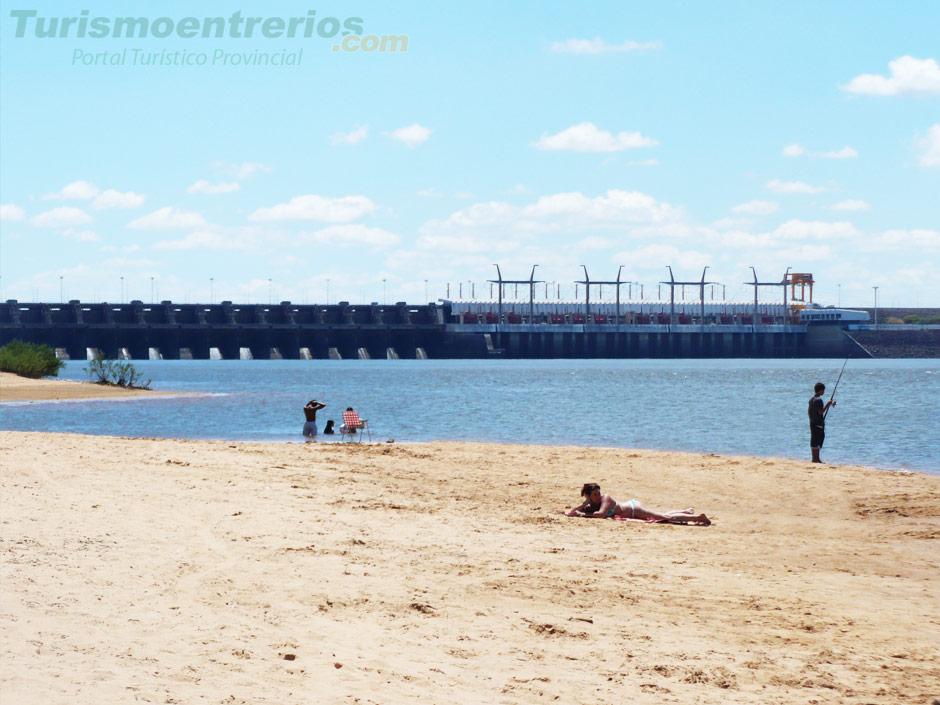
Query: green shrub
<point x="115" y="373"/>
<point x="29" y="360"/>
<point x="917" y="319"/>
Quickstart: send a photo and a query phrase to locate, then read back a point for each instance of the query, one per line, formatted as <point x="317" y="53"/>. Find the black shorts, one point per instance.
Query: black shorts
<point x="817" y="434"/>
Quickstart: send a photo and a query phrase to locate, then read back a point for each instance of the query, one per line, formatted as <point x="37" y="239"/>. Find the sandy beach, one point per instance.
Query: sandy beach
<point x="16" y="388"/>
<point x="167" y="571"/>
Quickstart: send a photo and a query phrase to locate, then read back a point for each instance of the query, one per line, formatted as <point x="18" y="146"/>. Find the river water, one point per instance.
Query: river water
<point x="888" y="413"/>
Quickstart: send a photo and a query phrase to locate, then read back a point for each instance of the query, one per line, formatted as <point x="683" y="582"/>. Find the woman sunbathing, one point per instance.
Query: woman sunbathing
<point x="603" y="506"/>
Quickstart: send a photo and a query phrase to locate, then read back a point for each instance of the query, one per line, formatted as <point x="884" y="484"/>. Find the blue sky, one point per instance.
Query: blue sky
<point x="730" y="134"/>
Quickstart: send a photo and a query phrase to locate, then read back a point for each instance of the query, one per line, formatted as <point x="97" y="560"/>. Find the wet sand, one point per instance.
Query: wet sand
<point x="164" y="571"/>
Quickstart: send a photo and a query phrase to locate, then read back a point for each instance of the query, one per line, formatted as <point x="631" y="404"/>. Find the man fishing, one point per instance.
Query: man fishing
<point x="817" y="419"/>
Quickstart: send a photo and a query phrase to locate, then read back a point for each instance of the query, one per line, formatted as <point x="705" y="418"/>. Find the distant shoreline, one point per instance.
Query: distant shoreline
<point x="14" y="388"/>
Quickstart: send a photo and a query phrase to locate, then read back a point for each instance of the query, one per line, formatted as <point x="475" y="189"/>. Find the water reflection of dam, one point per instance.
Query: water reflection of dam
<point x="169" y="330"/>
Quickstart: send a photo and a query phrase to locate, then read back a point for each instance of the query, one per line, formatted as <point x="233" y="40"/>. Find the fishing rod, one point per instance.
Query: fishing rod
<point x="826" y="412"/>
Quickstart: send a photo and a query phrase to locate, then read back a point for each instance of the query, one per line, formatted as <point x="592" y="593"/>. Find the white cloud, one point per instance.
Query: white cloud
<point x="673" y="229"/>
<point x="463" y="194"/>
<point x="216" y="237"/>
<point x="81" y="235"/>
<point x="731" y="223"/>
<point x="757" y="207"/>
<point x="851" y="205"/>
<point x="208" y="240"/>
<point x="644" y="162"/>
<point x="908" y="75"/>
<point x="115" y="199"/>
<point x="656" y="257"/>
<point x="85" y="190"/>
<point x="586" y="137"/>
<point x="61" y="218"/>
<point x="466" y="243"/>
<point x="615" y="207"/>
<point x="78" y="190"/>
<point x="203" y="186"/>
<point x="410" y="136"/>
<point x="354" y="235"/>
<point x="802" y="253"/>
<point x="599" y="46"/>
<point x="816" y="229"/>
<point x="115" y="248"/>
<point x="926" y="276"/>
<point x="353" y="137"/>
<point x="193" y="241"/>
<point x="732" y="237"/>
<point x="430" y="265"/>
<point x="738" y="239"/>
<point x="168" y="218"/>
<point x="797" y="150"/>
<point x="313" y="207"/>
<point x="289" y="261"/>
<point x="481" y="214"/>
<point x="430" y="192"/>
<point x="11" y="212"/>
<point x="596" y="243"/>
<point x="240" y="170"/>
<point x="500" y="227"/>
<point x="844" y="153"/>
<point x="793" y="187"/>
<point x="246" y="169"/>
<point x="518" y="189"/>
<point x="127" y="262"/>
<point x="929" y="146"/>
<point x="910" y="241"/>
<point x="478" y="228"/>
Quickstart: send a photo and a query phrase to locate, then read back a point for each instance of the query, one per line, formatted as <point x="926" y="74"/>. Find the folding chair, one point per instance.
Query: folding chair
<point x="352" y="424"/>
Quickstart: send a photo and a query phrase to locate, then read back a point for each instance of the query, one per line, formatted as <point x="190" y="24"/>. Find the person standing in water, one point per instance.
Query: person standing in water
<point x="817" y="420"/>
<point x="310" y="414"/>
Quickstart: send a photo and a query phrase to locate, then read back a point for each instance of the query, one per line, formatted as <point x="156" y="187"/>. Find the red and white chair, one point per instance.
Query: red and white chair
<point x="353" y="424"/>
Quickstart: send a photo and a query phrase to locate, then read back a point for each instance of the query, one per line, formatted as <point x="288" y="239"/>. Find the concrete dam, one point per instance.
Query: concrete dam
<point x="446" y="330"/>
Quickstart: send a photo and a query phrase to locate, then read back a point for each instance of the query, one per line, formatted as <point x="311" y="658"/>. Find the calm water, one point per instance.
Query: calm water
<point x="887" y="415"/>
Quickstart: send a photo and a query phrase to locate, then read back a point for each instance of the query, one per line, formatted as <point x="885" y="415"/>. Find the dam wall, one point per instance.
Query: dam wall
<point x="170" y="331"/>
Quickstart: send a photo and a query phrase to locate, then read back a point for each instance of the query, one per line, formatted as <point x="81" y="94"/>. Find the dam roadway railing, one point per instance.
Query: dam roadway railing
<point x="650" y="340"/>
<point x="169" y="330"/>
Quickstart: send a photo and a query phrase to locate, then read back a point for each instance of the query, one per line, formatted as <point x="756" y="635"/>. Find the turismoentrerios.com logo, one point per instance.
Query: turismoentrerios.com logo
<point x="30" y="24"/>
